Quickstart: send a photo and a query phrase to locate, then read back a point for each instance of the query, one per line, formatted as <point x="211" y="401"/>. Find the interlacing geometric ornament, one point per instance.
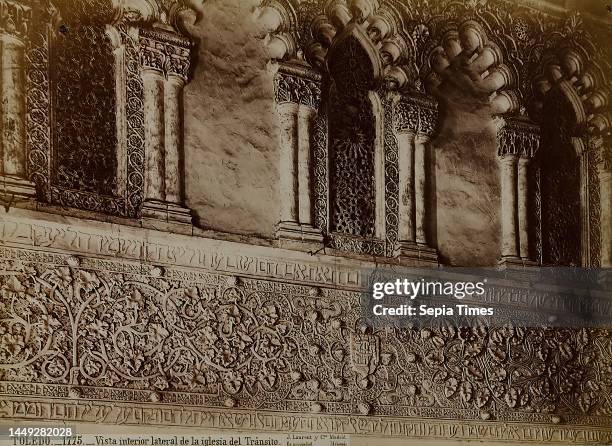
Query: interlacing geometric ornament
<point x="85" y="112"/>
<point x="560" y="187"/>
<point x="173" y="336"/>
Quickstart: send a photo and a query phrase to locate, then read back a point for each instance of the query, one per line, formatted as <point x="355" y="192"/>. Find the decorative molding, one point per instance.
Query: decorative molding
<point x="38" y="105"/>
<point x="165" y="52"/>
<point x="134" y="118"/>
<point x="300" y="86"/>
<point x="416" y="115"/>
<point x="391" y="162"/>
<point x="516" y="137"/>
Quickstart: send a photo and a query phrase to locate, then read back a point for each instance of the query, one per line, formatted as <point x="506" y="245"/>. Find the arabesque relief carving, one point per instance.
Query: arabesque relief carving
<point x="108" y="173"/>
<point x="229" y="341"/>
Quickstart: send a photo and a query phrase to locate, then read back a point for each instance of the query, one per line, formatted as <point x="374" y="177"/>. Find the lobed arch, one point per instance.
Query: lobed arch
<point x="568" y="73"/>
<point x="581" y="80"/>
<point x="465" y="50"/>
<point x="306" y="32"/>
<point x="361" y="53"/>
<point x="563" y="96"/>
<point x="509" y="58"/>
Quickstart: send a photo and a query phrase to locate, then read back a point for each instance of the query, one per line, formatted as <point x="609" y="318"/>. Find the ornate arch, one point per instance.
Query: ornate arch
<point x="512" y="55"/>
<point x="308" y="30"/>
<point x="364" y="54"/>
<point x="573" y="67"/>
<point x="461" y="43"/>
<point x="556" y="61"/>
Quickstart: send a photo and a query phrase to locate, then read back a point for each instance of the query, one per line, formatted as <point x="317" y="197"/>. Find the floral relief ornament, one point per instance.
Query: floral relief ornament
<point x="249" y="344"/>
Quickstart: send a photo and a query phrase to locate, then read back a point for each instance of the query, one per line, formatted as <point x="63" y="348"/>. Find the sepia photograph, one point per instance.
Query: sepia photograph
<point x="305" y="222"/>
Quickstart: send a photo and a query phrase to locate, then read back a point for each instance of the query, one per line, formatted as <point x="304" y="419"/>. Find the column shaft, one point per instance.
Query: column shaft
<point x="13" y="108"/>
<point x="173" y="91"/>
<point x="288" y="161"/>
<point x="523" y="196"/>
<point x="508" y="165"/>
<point x="153" y="92"/>
<point x="406" y="228"/>
<point x="605" y="197"/>
<point x="305" y="115"/>
<point x="420" y="143"/>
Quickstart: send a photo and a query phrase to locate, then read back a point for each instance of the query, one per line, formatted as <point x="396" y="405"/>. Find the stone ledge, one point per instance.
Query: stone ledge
<point x="19" y="189"/>
<point x="416" y="254"/>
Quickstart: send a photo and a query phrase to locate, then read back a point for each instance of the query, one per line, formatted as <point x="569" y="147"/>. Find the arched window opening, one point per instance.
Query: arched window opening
<point x="352" y="136"/>
<point x="560" y="183"/>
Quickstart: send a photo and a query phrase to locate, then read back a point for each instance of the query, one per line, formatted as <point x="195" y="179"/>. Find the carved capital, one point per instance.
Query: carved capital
<point x="416" y="115"/>
<point x="15" y="17"/>
<point x="171" y="15"/>
<point x="166" y="52"/>
<point x="517" y="137"/>
<point x="297" y="85"/>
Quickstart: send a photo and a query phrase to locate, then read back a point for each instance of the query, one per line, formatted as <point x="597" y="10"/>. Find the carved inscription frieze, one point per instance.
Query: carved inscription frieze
<point x="61" y="409"/>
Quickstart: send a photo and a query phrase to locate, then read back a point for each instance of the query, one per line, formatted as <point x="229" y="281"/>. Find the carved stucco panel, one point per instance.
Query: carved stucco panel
<point x="176" y="335"/>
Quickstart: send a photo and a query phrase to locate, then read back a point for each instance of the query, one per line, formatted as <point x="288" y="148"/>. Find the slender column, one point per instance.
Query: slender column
<point x="13" y="165"/>
<point x="518" y="140"/>
<point x="420" y="143"/>
<point x="165" y="58"/>
<point x="605" y="197"/>
<point x="296" y="108"/>
<point x="406" y="217"/>
<point x="508" y="164"/>
<point x="173" y="93"/>
<point x="523" y="196"/>
<point x="153" y="92"/>
<point x="288" y="161"/>
<point x="304" y="118"/>
<point x="13" y="116"/>
<point x="415" y="123"/>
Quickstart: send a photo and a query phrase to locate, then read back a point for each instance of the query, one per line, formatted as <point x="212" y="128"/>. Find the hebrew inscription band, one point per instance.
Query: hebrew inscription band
<point x="116" y="413"/>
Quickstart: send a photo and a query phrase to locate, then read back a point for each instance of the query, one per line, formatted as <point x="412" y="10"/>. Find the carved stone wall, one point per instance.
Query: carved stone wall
<point x="490" y="58"/>
<point x="129" y="326"/>
<point x="116" y="324"/>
